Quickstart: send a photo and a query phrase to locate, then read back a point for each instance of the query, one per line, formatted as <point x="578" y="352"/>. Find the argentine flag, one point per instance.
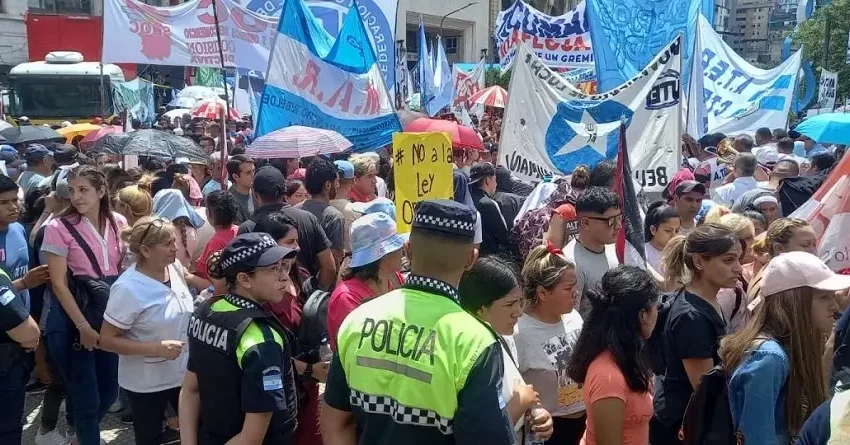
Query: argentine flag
<point x="319" y="81"/>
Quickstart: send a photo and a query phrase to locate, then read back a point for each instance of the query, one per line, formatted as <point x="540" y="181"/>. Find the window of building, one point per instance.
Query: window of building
<point x="61" y="6"/>
<point x="451" y="45"/>
<point x="2" y="7"/>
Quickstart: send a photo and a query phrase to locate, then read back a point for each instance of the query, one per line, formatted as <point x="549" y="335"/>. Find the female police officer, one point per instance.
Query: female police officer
<point x="240" y="382"/>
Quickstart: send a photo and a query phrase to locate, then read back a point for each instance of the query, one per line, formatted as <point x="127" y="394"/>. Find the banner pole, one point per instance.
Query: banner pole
<point x="223" y="135"/>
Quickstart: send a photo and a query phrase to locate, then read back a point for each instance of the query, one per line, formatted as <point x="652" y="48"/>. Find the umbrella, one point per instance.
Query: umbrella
<point x="30" y="133"/>
<point x="184" y="102"/>
<point x="213" y="109"/>
<point x="828" y="127"/>
<point x="70" y="132"/>
<point x="94" y="136"/>
<point x="462" y="137"/>
<point x="198" y="93"/>
<point x="179" y="112"/>
<point x="155" y="143"/>
<point x="494" y="96"/>
<point x="297" y="142"/>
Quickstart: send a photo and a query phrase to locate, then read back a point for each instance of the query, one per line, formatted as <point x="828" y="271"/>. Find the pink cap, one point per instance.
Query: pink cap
<point x="799" y="269"/>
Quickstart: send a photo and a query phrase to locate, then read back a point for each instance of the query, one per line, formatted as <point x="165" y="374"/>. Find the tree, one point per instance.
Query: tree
<point x="495" y="76"/>
<point x="810" y="34"/>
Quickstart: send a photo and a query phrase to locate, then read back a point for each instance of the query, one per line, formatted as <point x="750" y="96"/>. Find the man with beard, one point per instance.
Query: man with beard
<point x="322" y="182"/>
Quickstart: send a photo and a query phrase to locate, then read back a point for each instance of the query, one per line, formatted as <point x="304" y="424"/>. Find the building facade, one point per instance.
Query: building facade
<point x="465" y="33"/>
<point x="752" y="23"/>
<point x="13" y="34"/>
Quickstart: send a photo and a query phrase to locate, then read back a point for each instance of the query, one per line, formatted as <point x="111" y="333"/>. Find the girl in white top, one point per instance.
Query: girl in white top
<point x="145" y="323"/>
<point x="661" y="224"/>
<point x="490" y="290"/>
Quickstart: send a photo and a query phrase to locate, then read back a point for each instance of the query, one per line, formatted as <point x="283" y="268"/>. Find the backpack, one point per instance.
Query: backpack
<point x="708" y="417"/>
<point x="655" y="343"/>
<point x="313" y="329"/>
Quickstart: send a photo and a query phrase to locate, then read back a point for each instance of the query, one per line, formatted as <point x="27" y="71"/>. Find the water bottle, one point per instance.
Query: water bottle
<point x="325" y="353"/>
<point x="529" y="434"/>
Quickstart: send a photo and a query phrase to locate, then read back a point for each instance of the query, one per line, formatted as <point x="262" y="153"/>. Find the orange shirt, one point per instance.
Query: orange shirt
<point x="605" y="380"/>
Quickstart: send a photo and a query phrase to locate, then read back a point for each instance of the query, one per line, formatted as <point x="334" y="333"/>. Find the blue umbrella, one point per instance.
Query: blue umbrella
<point x="833" y="128"/>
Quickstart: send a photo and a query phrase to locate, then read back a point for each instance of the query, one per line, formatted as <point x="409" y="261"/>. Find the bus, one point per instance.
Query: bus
<point x="62" y="87"/>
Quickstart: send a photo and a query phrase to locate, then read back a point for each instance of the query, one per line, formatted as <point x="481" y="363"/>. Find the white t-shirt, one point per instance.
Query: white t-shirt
<point x="590" y="266"/>
<point x="544" y="352"/>
<point x="149" y="311"/>
<point x="653" y="257"/>
<point x="511" y="375"/>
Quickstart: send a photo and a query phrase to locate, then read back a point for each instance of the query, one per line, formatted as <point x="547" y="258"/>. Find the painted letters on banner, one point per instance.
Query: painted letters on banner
<point x="135" y="97"/>
<point x="319" y="81"/>
<point x="134" y="32"/>
<point x="736" y="96"/>
<point x="423" y="166"/>
<point x="379" y="16"/>
<point x="561" y="41"/>
<point x="467" y="84"/>
<point x="550" y="126"/>
<point x="628" y="34"/>
<point x="826" y="89"/>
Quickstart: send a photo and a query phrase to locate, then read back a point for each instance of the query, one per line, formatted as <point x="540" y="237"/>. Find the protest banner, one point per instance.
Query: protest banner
<point x="423" y="170"/>
<point x="826" y="89"/>
<point x="732" y="96"/>
<point x="550" y="126"/>
<point x="628" y="34"/>
<point x="467" y="84"/>
<point x="185" y="35"/>
<point x="319" y="81"/>
<point x="136" y="98"/>
<point x="561" y="41"/>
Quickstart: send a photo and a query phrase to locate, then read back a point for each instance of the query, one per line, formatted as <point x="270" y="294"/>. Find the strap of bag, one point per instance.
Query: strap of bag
<point x="83" y="245"/>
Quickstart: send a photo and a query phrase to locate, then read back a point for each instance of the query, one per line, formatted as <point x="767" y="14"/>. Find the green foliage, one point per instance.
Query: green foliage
<point x="494" y="76"/>
<point x="811" y="36"/>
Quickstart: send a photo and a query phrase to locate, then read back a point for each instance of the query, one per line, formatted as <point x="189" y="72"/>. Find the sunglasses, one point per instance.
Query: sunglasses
<point x="158" y="223"/>
<point x="612" y="221"/>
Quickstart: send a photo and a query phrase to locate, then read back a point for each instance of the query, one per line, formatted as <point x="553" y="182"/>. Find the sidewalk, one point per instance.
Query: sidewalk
<point x="112" y="430"/>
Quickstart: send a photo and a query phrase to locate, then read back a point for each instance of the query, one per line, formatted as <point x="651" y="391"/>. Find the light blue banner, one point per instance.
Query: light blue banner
<point x="628" y="34"/>
<point x="316" y="80"/>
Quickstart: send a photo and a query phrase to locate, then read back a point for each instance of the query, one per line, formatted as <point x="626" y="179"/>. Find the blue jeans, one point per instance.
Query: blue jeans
<point x="92" y="381"/>
<point x="14" y="373"/>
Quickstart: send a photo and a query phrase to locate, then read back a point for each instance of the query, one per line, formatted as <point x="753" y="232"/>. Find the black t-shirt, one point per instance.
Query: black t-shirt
<point x="693" y="330"/>
<point x="13" y="309"/>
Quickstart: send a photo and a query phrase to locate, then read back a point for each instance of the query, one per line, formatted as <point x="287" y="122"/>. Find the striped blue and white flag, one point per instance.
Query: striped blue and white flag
<point x="321" y="81"/>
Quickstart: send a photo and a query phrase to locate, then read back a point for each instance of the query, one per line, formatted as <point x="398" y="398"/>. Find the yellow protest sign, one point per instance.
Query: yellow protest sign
<point x="423" y="170"/>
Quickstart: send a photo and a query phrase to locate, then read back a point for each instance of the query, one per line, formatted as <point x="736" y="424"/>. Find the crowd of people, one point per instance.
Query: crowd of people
<point x="275" y="302"/>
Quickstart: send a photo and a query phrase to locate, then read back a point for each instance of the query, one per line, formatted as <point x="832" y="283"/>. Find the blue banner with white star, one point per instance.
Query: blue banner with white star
<point x="550" y="126"/>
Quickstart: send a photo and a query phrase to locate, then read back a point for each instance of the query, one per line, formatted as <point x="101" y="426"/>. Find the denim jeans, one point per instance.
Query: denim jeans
<point x="92" y="382"/>
<point x="14" y="375"/>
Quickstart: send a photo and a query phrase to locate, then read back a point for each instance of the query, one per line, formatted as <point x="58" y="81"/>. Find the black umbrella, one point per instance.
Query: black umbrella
<point x="30" y="133"/>
<point x="155" y="143"/>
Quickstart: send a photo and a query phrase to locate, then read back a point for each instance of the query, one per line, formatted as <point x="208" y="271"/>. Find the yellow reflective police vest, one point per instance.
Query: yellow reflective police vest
<point x="408" y="354"/>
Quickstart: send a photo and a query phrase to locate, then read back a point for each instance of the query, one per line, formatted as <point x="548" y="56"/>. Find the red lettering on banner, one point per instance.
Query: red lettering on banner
<point x="344" y="104"/>
<point x="540" y="43"/>
<point x="206" y="14"/>
<point x="373" y="102"/>
<point x="311" y="79"/>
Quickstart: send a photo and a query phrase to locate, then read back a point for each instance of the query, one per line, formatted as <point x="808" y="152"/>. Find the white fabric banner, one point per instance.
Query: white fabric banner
<point x="467" y="84"/>
<point x="737" y="97"/>
<point x="550" y="126"/>
<point x="826" y="89"/>
<point x="134" y="32"/>
<point x="561" y="41"/>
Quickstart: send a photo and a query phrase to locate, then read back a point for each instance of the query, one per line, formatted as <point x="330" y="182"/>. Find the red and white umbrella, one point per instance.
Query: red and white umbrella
<point x="213" y="109"/>
<point x="494" y="96"/>
<point x="297" y="142"/>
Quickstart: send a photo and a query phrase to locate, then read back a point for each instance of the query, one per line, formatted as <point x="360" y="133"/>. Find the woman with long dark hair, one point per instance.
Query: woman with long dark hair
<point x="91" y="373"/>
<point x="659" y="227"/>
<point x="610" y="360"/>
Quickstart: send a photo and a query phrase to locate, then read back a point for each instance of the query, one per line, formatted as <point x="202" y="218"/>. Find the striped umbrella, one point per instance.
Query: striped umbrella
<point x="213" y="109"/>
<point x="494" y="96"/>
<point x="297" y="142"/>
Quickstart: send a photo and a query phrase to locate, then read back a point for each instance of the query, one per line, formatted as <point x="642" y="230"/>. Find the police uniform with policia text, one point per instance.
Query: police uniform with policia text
<point x="412" y="367"/>
<point x="242" y="355"/>
<point x="15" y="362"/>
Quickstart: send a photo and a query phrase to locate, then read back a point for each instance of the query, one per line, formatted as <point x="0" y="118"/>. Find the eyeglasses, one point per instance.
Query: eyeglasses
<point x="281" y="269"/>
<point x="158" y="223"/>
<point x="612" y="221"/>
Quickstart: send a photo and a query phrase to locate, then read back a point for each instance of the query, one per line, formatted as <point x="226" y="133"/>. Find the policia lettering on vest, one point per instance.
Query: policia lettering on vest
<point x="240" y="382"/>
<point x="412" y="367"/>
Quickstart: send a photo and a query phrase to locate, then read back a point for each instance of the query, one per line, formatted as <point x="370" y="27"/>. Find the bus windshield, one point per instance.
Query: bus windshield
<point x="55" y="96"/>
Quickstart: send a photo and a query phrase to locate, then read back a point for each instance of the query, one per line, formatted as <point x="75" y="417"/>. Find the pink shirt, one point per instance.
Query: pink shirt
<point x="107" y="249"/>
<point x="217" y="242"/>
<point x="346" y="297"/>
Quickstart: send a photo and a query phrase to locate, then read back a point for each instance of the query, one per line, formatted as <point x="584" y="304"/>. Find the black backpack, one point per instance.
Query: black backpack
<point x="655" y="343"/>
<point x="313" y="329"/>
<point x="708" y="417"/>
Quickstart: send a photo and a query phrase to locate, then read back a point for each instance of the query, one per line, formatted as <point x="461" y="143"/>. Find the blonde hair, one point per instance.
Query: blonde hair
<point x="361" y="164"/>
<point x="781" y="231"/>
<point x="146" y="228"/>
<point x="715" y="213"/>
<point x="787" y="318"/>
<point x="740" y="224"/>
<point x="542" y="268"/>
<point x="137" y="200"/>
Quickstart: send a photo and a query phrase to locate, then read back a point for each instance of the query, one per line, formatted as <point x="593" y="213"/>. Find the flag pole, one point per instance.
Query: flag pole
<point x="226" y="114"/>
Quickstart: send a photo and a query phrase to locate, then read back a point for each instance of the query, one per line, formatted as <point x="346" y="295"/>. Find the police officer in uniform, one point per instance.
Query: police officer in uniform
<point x="412" y="367"/>
<point x="240" y="383"/>
<point x="19" y="336"/>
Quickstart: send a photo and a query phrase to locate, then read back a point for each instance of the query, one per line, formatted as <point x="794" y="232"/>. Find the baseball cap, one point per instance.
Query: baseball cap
<point x="268" y="181"/>
<point x="798" y="269"/>
<point x="8" y="153"/>
<point x="64" y="153"/>
<point x="36" y="152"/>
<point x="345" y="169"/>
<point x="373" y="236"/>
<point x="445" y="216"/>
<point x="767" y="156"/>
<point x="251" y="250"/>
<point x="480" y="171"/>
<point x="688" y="186"/>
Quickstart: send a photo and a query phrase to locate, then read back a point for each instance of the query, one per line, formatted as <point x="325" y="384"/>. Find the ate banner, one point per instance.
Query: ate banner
<point x="185" y="35"/>
<point x="550" y="126"/>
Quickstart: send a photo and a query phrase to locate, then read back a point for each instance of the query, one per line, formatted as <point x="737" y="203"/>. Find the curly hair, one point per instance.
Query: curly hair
<point x="223" y="208"/>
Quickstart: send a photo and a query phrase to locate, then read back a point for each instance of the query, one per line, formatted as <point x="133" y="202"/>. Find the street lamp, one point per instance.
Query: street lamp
<point x="452" y="12"/>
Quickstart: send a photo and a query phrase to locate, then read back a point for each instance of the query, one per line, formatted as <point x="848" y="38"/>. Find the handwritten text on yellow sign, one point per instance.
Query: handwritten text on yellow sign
<point x="423" y="170"/>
